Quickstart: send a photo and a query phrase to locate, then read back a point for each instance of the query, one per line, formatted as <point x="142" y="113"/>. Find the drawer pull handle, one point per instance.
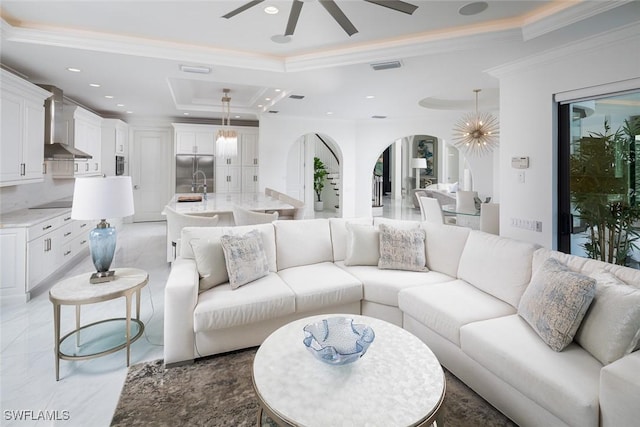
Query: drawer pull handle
<point x="67" y="233"/>
<point x="46" y="227"/>
<point x="83" y="225"/>
<point x="67" y="218"/>
<point x="67" y="253"/>
<point x="83" y="242"/>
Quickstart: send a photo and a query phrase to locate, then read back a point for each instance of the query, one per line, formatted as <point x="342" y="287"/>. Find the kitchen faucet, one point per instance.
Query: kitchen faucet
<point x="194" y="183"/>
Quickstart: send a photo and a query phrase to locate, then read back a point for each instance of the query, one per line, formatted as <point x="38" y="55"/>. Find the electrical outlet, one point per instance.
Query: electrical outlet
<point x="521" y="177"/>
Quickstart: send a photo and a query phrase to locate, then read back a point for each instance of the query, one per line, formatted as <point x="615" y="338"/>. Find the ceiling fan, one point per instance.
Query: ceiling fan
<point x="331" y="7"/>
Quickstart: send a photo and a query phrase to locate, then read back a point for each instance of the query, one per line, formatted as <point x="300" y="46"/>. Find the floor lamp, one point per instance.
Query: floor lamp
<point x="418" y="163"/>
<point x="101" y="198"/>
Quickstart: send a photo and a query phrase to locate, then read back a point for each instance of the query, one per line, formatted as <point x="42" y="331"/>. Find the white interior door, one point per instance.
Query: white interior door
<point x="151" y="173"/>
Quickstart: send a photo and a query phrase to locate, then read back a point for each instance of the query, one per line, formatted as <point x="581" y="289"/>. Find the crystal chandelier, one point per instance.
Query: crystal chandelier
<point x="227" y="138"/>
<point x="476" y="133"/>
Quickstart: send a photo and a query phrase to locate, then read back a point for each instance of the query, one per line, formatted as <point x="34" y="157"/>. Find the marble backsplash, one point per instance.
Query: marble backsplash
<point x="23" y="196"/>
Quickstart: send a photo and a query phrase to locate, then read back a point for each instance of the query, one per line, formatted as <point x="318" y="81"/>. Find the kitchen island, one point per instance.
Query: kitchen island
<point x="222" y="204"/>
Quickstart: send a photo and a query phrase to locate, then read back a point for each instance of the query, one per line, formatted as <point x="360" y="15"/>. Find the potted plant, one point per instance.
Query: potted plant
<point x="319" y="174"/>
<point x="602" y="192"/>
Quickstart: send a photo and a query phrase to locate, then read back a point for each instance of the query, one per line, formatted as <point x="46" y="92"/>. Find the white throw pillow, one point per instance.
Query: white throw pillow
<point x="611" y="327"/>
<point x="210" y="262"/>
<point x="402" y="249"/>
<point x="245" y="258"/>
<point x="555" y="302"/>
<point x="363" y="245"/>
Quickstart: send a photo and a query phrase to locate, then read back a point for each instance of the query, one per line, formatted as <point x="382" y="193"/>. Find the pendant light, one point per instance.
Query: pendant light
<point x="227" y="138"/>
<point x="476" y="133"/>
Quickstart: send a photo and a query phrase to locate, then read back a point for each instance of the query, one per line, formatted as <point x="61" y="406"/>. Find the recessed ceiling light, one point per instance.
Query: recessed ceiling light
<point x="278" y="90"/>
<point x="186" y="114"/>
<point x="329" y="113"/>
<point x="129" y="112"/>
<point x="94" y="85"/>
<point x="260" y="105"/>
<point x="109" y="96"/>
<point x="280" y="38"/>
<point x="267" y="99"/>
<point x="119" y="105"/>
<point x="237" y="117"/>
<point x="73" y="70"/>
<point x="370" y="96"/>
<point x="271" y="10"/>
<point x="473" y="8"/>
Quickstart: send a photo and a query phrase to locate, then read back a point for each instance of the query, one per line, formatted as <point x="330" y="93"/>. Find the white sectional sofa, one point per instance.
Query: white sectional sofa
<point x="465" y="308"/>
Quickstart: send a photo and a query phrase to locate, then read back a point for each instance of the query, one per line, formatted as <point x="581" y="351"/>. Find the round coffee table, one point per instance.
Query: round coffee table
<point x="103" y="337"/>
<point x="398" y="382"/>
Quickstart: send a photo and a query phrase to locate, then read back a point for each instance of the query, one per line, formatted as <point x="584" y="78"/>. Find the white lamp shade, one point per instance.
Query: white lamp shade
<point x="102" y="198"/>
<point x="419" y="163"/>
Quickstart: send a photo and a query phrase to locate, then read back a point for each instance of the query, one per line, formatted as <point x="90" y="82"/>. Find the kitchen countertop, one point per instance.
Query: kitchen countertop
<point x="224" y="202"/>
<point x="28" y="217"/>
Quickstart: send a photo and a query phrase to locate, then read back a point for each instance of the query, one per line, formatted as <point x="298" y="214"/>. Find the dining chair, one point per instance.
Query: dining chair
<point x="490" y="218"/>
<point x="298" y="207"/>
<point x="176" y="221"/>
<point x="430" y="210"/>
<point x="465" y="201"/>
<point x="243" y="216"/>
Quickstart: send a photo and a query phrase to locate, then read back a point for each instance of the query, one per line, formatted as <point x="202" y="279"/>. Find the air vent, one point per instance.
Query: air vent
<point x="386" y="65"/>
<point x="296" y="96"/>
<point x="195" y="69"/>
<point x="378" y="117"/>
<point x="273" y="111"/>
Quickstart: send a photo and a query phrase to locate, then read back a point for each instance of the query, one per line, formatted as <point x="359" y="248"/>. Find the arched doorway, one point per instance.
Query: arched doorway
<point x="300" y="174"/>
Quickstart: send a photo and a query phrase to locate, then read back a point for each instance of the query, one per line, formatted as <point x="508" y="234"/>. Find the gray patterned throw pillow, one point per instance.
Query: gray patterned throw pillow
<point x="402" y="249"/>
<point x="245" y="258"/>
<point x="555" y="302"/>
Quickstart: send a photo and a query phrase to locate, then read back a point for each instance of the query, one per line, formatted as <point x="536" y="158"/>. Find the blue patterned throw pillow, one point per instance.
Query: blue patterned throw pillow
<point x="402" y="249"/>
<point x="555" y="302"/>
<point x="245" y="258"/>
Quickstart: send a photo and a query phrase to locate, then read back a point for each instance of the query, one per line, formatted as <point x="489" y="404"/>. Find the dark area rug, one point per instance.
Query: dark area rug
<point x="217" y="391"/>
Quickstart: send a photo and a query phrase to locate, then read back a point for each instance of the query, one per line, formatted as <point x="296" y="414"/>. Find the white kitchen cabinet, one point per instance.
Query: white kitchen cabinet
<point x="228" y="179"/>
<point x="250" y="179"/>
<point x="85" y="134"/>
<point x="32" y="254"/>
<point x="13" y="251"/>
<point x="194" y="139"/>
<point x="249" y="148"/>
<point x="115" y="137"/>
<point x="22" y="130"/>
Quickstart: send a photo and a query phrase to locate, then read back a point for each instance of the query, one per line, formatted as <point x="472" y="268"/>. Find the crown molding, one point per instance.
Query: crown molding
<point x="563" y="14"/>
<point x="598" y="41"/>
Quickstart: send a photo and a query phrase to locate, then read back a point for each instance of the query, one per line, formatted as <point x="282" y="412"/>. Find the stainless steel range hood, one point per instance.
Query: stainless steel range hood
<point x="55" y="145"/>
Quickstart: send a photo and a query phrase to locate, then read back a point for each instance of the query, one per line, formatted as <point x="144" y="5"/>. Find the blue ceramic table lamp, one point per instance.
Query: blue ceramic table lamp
<point x="102" y="198"/>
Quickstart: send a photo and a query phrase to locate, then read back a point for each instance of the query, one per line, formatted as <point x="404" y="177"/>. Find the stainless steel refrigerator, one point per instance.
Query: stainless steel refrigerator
<point x="187" y="181"/>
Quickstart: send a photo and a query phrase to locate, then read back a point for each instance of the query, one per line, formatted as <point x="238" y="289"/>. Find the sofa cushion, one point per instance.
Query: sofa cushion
<point x="382" y="286"/>
<point x="446" y="307"/>
<point x="321" y="285"/>
<point x="245" y="258"/>
<point x="566" y="383"/>
<point x="445" y="244"/>
<point x="363" y="245"/>
<point x="266" y="231"/>
<point x="611" y="327"/>
<point x="222" y="307"/>
<point x="210" y="262"/>
<point x="339" y="232"/>
<point x="303" y="242"/>
<point x="402" y="249"/>
<point x="397" y="223"/>
<point x="555" y="302"/>
<point x="498" y="265"/>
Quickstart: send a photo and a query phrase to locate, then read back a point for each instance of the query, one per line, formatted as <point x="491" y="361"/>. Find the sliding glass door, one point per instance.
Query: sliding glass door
<point x="599" y="177"/>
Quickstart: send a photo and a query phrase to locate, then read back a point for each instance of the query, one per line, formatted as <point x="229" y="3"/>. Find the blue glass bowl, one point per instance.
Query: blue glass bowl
<point x="337" y="340"/>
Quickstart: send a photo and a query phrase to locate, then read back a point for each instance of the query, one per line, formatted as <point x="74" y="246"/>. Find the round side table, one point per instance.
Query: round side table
<point x="103" y="337"/>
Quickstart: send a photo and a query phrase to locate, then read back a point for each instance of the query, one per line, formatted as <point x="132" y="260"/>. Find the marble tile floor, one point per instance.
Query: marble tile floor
<point x="88" y="390"/>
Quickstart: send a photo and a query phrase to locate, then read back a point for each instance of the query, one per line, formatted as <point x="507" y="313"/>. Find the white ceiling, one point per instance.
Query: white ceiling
<point x="134" y="50"/>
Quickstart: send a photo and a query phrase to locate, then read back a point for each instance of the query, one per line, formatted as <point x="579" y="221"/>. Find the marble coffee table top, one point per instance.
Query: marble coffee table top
<point x="398" y="382"/>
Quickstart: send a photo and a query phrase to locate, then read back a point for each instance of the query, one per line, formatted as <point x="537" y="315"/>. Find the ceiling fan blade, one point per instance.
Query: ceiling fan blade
<point x="242" y="8"/>
<point x="339" y="16"/>
<point x="296" y="7"/>
<point x="398" y="5"/>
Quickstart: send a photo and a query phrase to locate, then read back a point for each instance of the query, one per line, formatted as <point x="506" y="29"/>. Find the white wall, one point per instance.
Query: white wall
<point x="360" y="143"/>
<point x="528" y="120"/>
